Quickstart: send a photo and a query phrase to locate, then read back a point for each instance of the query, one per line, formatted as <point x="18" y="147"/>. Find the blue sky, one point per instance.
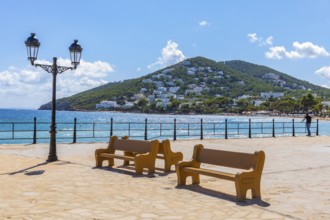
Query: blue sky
<point x="128" y="39"/>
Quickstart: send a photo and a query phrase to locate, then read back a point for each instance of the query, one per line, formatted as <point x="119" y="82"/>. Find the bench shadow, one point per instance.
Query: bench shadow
<point x="224" y="196"/>
<point x="128" y="170"/>
<point x="162" y="172"/>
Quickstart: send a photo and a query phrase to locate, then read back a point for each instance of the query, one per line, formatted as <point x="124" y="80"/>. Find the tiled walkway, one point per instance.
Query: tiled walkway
<point x="295" y="185"/>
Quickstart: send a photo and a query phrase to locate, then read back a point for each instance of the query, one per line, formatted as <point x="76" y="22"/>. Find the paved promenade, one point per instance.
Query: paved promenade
<point x="295" y="184"/>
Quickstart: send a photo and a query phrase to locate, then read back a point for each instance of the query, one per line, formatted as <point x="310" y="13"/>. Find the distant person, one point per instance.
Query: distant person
<point x="308" y="123"/>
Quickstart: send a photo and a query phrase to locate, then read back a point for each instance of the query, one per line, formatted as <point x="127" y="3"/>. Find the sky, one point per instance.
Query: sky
<point x="128" y="39"/>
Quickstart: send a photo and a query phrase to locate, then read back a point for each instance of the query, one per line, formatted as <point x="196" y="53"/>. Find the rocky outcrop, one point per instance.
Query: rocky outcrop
<point x="61" y="105"/>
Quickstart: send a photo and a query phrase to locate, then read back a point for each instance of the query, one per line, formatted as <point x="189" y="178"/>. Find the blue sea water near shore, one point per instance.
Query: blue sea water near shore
<point x="16" y="126"/>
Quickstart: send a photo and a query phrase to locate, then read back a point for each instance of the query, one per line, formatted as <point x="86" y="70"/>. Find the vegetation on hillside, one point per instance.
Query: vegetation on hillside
<point x="200" y="85"/>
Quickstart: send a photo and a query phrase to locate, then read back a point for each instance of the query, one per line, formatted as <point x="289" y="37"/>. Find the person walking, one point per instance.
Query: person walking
<point x="308" y="119"/>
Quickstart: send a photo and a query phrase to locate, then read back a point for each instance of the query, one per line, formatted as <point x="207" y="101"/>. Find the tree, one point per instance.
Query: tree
<point x="174" y="105"/>
<point x="307" y="102"/>
<point x="142" y="103"/>
<point x="285" y="104"/>
<point x="242" y="105"/>
<point x="317" y="108"/>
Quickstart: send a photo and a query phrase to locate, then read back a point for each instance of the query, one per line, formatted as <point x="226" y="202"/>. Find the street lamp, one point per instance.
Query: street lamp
<point x="32" y="46"/>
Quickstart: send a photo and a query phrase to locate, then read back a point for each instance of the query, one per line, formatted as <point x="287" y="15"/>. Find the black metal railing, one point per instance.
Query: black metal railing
<point x="101" y="131"/>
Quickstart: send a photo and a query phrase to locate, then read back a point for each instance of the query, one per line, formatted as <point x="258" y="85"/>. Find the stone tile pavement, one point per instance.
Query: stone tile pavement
<point x="295" y="184"/>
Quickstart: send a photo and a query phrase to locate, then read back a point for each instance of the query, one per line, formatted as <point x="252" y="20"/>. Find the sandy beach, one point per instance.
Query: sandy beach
<point x="295" y="184"/>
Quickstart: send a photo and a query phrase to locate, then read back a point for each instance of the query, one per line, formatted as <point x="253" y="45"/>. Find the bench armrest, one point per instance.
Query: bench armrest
<point x="248" y="179"/>
<point x="190" y="163"/>
<point x="100" y="151"/>
<point x="143" y="156"/>
<point x="245" y="174"/>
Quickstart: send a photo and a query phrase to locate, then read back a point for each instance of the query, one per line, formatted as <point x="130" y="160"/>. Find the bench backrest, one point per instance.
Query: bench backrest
<point x="229" y="159"/>
<point x="137" y="146"/>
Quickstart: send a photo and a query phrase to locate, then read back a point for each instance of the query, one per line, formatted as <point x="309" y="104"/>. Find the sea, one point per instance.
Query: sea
<point x="16" y="125"/>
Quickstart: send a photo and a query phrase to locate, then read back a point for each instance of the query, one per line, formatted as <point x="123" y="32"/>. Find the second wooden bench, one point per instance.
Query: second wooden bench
<point x="250" y="178"/>
<point x="143" y="153"/>
<point x="165" y="153"/>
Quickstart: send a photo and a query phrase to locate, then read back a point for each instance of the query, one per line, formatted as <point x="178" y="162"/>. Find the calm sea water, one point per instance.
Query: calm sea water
<point x="8" y="116"/>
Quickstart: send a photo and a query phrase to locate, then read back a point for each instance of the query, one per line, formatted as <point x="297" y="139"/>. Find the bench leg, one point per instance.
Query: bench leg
<point x="256" y="191"/>
<point x="99" y="161"/>
<point x="240" y="191"/>
<point x="167" y="167"/>
<point x="195" y="178"/>
<point x="138" y="170"/>
<point x="111" y="162"/>
<point x="151" y="170"/>
<point x="126" y="162"/>
<point x="181" y="178"/>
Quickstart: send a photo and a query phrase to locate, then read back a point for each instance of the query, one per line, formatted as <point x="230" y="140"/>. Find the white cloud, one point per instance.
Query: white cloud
<point x="170" y="55"/>
<point x="269" y="40"/>
<point x="30" y="87"/>
<point x="204" y="23"/>
<point x="326" y="86"/>
<point x="300" y="50"/>
<point x="323" y="72"/>
<point x="253" y="38"/>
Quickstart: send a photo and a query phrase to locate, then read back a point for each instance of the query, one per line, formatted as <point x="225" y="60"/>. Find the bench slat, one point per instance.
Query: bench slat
<point x="117" y="156"/>
<point x="213" y="173"/>
<point x="226" y="158"/>
<point x="136" y="146"/>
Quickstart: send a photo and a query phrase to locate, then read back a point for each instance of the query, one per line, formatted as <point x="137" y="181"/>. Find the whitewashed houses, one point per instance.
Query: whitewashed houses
<point x="267" y="95"/>
<point x="107" y="104"/>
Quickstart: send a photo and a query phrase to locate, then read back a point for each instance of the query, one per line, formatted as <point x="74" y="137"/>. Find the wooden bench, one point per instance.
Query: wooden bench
<point x="143" y="153"/>
<point x="252" y="164"/>
<point x="165" y="153"/>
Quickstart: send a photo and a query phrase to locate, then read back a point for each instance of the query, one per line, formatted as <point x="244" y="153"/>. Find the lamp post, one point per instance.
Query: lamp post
<point x="32" y="46"/>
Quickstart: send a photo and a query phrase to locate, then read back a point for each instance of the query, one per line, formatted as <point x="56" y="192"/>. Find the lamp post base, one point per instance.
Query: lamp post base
<point x="51" y="158"/>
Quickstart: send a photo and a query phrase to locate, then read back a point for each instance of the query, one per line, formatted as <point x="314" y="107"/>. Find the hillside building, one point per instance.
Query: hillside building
<point x="267" y="95"/>
<point x="107" y="104"/>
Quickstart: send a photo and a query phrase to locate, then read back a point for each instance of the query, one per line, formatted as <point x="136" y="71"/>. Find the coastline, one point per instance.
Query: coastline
<point x="180" y="114"/>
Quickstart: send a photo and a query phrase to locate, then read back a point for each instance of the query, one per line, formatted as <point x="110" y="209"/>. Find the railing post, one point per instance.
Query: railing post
<point x="111" y="127"/>
<point x="146" y="130"/>
<point x="75" y="130"/>
<point x="93" y="129"/>
<point x="317" y="127"/>
<point x="273" y="127"/>
<point x="188" y="129"/>
<point x="226" y="128"/>
<point x="250" y="132"/>
<point x="129" y="129"/>
<point x="174" y="130"/>
<point x="201" y="129"/>
<point x="293" y="129"/>
<point x="34" y="130"/>
<point x="13" y="131"/>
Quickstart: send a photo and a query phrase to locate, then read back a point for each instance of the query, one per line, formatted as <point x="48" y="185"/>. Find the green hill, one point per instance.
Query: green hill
<point x="191" y="82"/>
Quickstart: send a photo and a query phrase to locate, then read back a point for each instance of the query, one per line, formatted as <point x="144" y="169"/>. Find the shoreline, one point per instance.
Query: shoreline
<point x="269" y="116"/>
